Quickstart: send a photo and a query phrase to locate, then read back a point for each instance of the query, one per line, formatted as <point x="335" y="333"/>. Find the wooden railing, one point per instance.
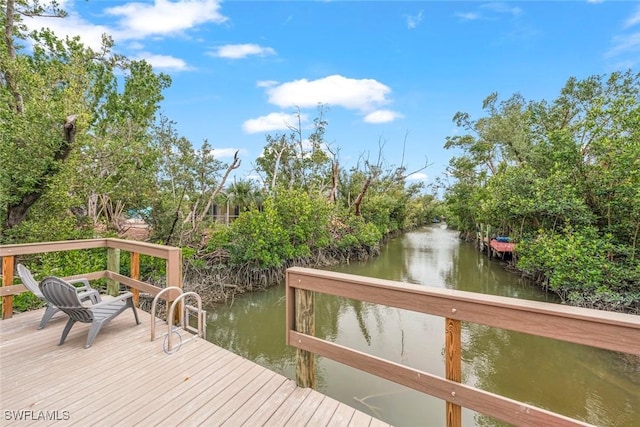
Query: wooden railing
<point x="172" y="255"/>
<point x="607" y="330"/>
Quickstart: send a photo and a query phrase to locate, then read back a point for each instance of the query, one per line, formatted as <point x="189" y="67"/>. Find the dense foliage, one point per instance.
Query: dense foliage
<point x="74" y="141"/>
<point x="563" y="179"/>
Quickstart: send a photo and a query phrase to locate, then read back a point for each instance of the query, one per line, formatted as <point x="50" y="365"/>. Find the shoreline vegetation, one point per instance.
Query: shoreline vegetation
<point x="561" y="178"/>
<point x="220" y="283"/>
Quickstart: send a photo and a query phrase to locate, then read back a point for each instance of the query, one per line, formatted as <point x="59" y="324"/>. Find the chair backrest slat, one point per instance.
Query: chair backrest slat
<point x="64" y="296"/>
<point x="28" y="280"/>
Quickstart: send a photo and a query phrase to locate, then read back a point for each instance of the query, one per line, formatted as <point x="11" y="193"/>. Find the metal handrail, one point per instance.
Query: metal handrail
<point x="199" y="311"/>
<point x="200" y="332"/>
<point x="153" y="308"/>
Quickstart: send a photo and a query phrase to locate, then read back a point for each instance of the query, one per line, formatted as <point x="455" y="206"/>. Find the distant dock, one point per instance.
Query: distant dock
<point x="500" y="247"/>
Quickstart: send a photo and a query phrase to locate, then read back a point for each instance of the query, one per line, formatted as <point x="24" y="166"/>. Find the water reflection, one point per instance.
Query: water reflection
<point x="254" y="327"/>
<point x="593" y="385"/>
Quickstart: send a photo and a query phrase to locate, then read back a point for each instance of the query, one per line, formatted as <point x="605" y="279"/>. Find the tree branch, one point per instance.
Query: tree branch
<point x="234" y="165"/>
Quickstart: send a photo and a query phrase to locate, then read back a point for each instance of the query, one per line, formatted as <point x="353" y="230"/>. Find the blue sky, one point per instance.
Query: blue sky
<point x="389" y="71"/>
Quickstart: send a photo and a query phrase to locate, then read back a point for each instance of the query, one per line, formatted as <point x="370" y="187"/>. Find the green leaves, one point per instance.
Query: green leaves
<point x="567" y="172"/>
<point x="289" y="226"/>
<point x="584" y="268"/>
<point x="106" y="155"/>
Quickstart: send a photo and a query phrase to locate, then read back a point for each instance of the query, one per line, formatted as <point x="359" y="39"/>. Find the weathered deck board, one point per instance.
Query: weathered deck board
<point x="284" y="412"/>
<point x="124" y="379"/>
<point x="272" y="404"/>
<point x="326" y="410"/>
<point x="255" y="402"/>
<point x="342" y="416"/>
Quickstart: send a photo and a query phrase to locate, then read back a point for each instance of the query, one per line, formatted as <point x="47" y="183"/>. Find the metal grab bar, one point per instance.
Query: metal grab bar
<point x="200" y="332"/>
<point x="153" y="308"/>
<point x="185" y="314"/>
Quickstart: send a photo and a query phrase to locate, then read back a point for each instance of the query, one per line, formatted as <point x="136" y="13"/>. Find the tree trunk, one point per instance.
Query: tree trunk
<point x="358" y="202"/>
<point x="8" y="37"/>
<point x="17" y="212"/>
<point x="335" y="171"/>
<point x="234" y="165"/>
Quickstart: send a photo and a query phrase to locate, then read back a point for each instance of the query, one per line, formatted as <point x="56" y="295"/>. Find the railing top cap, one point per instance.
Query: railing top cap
<point x="65" y="245"/>
<point x="454" y="295"/>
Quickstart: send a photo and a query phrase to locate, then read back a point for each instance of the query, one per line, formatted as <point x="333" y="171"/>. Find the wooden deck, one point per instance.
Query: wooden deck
<point x="125" y="380"/>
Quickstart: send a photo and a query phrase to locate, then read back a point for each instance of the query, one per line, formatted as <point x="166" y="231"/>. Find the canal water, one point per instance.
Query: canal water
<point x="596" y="386"/>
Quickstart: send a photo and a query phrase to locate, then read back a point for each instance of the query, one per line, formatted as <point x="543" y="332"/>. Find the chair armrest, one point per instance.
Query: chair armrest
<point x="91" y="294"/>
<point x="120" y="297"/>
<point x="86" y="287"/>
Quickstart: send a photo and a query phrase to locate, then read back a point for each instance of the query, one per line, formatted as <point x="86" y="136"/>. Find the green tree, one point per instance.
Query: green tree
<point x="244" y="194"/>
<point x="292" y="161"/>
<point x="118" y="163"/>
<point x="564" y="176"/>
<point x="189" y="181"/>
<point x="291" y="225"/>
<point x="69" y="131"/>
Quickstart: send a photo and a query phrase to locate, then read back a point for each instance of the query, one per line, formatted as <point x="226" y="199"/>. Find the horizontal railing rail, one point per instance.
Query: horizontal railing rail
<point x="172" y="256"/>
<point x="607" y="330"/>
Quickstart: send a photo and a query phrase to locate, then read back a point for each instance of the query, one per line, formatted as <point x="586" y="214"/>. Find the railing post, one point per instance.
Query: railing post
<point x="305" y="323"/>
<point x="113" y="264"/>
<point x="7" y="280"/>
<point x="488" y="241"/>
<point x="174" y="277"/>
<point x="453" y="368"/>
<point x="135" y="274"/>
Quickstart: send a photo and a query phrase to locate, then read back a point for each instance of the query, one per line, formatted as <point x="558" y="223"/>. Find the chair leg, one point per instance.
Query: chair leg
<point x="48" y="314"/>
<point x="93" y="333"/>
<point x="135" y="313"/>
<point x="66" y="330"/>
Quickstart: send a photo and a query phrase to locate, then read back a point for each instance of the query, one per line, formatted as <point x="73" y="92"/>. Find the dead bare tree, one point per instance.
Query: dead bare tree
<point x="374" y="171"/>
<point x="335" y="174"/>
<point x="199" y="218"/>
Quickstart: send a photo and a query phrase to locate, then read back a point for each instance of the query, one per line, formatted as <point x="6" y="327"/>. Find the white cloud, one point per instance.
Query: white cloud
<point x="625" y="52"/>
<point x="272" y="121"/>
<point x="624" y="44"/>
<point x="164" y="62"/>
<point x="414" y="21"/>
<point x="468" y="16"/>
<point x="238" y="51"/>
<point x="135" y="45"/>
<point x="625" y="47"/>
<point x="137" y="21"/>
<point x="382" y="116"/>
<point x="633" y="19"/>
<point x="71" y="26"/>
<point x="500" y="7"/>
<point x="594" y="1"/>
<point x="418" y="176"/>
<point x="266" y="83"/>
<point x="355" y="94"/>
<point x="163" y="17"/>
<point x="490" y="11"/>
<point x="254" y="177"/>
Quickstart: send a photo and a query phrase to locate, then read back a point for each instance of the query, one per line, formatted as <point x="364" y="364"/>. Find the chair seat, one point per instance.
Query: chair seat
<point x="108" y="310"/>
